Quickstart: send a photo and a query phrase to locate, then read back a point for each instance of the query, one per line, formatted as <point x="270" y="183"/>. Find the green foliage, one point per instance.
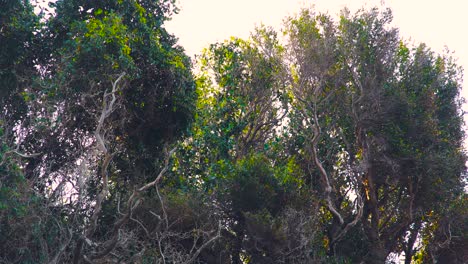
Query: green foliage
<point x="375" y="107"/>
<point x="106" y="36"/>
<point x="26" y="228"/>
<point x="86" y="46"/>
<point x="445" y="237"/>
<point x="18" y="23"/>
<point x="18" y="51"/>
<point x="341" y="146"/>
<point x="251" y="186"/>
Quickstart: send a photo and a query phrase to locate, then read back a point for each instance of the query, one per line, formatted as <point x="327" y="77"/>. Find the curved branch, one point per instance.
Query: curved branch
<point x="323" y="172"/>
<point x="202" y="247"/>
<point x="107" y="109"/>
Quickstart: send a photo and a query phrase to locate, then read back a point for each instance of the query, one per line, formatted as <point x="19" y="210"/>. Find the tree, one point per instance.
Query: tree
<point x="344" y="145"/>
<point x="234" y="153"/>
<point x="111" y="90"/>
<point x="370" y="112"/>
<point x="445" y="238"/>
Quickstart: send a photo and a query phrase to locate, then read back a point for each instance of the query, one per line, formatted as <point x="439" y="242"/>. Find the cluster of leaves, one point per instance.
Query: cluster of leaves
<point x="86" y="82"/>
<point x="342" y="146"/>
<point x="381" y="124"/>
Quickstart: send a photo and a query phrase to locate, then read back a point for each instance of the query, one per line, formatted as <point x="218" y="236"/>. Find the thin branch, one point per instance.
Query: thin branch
<point x="202" y="247"/>
<point x="323" y="172"/>
<point x="360" y="206"/>
<point x="107" y="109"/>
<point x="26" y="156"/>
<point x="132" y="203"/>
<point x="62" y="248"/>
<point x="161" y="173"/>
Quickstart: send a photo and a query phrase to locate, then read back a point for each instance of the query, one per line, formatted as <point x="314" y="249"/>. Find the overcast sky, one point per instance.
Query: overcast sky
<point x="434" y="22"/>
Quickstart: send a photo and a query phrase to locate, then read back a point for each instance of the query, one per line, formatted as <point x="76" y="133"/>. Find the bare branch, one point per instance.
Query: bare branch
<point x="323" y="172"/>
<point x="132" y="203"/>
<point x="108" y="108"/>
<point x="202" y="247"/>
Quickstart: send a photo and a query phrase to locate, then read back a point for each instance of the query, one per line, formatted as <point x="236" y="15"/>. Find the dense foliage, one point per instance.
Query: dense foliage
<point x="341" y="144"/>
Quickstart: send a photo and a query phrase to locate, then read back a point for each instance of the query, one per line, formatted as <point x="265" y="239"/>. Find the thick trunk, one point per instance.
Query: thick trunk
<point x="376" y="255"/>
<point x="408" y="258"/>
<point x="377" y="252"/>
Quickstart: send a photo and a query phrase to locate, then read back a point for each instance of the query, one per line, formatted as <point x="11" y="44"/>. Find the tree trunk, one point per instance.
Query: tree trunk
<point x="237" y="243"/>
<point x="377" y="254"/>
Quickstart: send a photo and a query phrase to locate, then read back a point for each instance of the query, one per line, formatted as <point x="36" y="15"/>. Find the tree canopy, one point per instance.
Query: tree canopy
<point x="332" y="141"/>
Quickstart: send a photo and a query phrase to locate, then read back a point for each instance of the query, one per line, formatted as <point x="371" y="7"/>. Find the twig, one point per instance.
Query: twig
<point x="202" y="247"/>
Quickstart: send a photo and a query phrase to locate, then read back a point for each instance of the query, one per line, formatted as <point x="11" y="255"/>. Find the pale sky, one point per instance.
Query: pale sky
<point x="434" y="22"/>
